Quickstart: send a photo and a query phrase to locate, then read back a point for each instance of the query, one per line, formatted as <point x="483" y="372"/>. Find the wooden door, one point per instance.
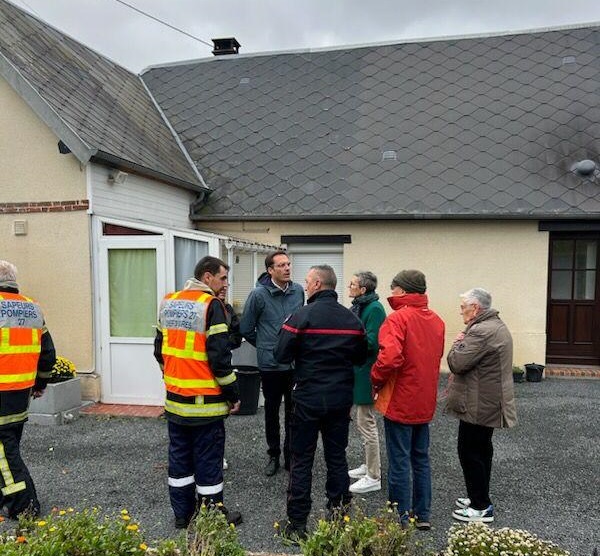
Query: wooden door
<point x="573" y="335"/>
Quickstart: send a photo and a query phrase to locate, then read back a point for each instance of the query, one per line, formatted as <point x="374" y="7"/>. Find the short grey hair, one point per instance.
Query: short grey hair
<point x="8" y="272"/>
<point x="326" y="275"/>
<point x="367" y="280"/>
<point x="482" y="297"/>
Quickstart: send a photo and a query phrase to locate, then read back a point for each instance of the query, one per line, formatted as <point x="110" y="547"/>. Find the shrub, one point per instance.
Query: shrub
<point x="63" y="369"/>
<point x="359" y="535"/>
<point x="477" y="539"/>
<point x="211" y="535"/>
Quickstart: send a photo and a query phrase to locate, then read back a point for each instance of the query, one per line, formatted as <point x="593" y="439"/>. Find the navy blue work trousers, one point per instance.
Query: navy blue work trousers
<point x="195" y="465"/>
<point x="17" y="489"/>
<point x="305" y="425"/>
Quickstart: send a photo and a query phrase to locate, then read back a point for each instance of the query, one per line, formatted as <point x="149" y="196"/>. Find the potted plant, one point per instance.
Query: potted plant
<point x="62" y="398"/>
<point x="518" y="373"/>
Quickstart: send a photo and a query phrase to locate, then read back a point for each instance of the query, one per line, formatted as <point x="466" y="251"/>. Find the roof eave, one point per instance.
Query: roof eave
<point x="364" y="217"/>
<point x="82" y="151"/>
<point x="107" y="159"/>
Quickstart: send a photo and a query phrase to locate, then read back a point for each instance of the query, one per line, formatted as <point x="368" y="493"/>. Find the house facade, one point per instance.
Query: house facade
<point x="473" y="159"/>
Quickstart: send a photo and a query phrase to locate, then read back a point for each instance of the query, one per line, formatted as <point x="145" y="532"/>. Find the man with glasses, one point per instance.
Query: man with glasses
<point x="274" y="298"/>
<point x="481" y="395"/>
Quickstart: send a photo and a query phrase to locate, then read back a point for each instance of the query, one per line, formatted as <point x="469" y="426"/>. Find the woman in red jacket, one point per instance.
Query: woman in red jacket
<point x="405" y="379"/>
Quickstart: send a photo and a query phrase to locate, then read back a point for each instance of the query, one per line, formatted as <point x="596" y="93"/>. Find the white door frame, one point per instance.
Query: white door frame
<point x="107" y="243"/>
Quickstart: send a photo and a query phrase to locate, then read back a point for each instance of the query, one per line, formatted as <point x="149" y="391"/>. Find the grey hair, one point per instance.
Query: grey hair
<point x="326" y="275"/>
<point x="482" y="297"/>
<point x="8" y="272"/>
<point x="367" y="280"/>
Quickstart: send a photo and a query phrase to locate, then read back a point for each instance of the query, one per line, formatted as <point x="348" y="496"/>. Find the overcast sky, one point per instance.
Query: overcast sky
<point x="136" y="41"/>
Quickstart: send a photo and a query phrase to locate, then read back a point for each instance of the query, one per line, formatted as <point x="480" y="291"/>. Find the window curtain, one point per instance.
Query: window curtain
<point x="132" y="292"/>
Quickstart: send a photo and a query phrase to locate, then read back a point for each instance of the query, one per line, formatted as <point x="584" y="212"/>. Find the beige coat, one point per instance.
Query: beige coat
<point x="482" y="390"/>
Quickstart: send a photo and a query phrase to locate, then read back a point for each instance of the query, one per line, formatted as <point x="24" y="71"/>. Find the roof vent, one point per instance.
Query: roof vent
<point x="225" y="46"/>
<point x="389" y="155"/>
<point x="568" y="60"/>
<point x="585" y="167"/>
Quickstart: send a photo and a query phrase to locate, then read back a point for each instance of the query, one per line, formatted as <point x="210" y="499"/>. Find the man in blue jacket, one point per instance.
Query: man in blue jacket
<point x="325" y="340"/>
<point x="274" y="298"/>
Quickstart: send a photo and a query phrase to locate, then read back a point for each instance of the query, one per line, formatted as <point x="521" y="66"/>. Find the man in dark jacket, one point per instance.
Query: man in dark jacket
<point x="26" y="359"/>
<point x="325" y="340"/>
<point x="274" y="298"/>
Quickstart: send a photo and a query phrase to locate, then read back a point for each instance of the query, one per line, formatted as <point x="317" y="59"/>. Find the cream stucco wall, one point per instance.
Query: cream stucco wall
<point x="54" y="257"/>
<point x="509" y="258"/>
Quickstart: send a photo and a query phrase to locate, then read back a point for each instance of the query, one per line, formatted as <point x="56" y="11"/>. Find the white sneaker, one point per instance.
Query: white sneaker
<point x="359" y="472"/>
<point x="470" y="515"/>
<point x="462" y="502"/>
<point x="225" y="464"/>
<point x="366" y="484"/>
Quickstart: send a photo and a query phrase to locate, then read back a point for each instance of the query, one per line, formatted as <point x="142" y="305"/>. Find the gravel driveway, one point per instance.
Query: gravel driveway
<point x="545" y="479"/>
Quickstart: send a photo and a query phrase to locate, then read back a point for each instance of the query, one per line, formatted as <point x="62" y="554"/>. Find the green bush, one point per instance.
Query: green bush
<point x="86" y="533"/>
<point x="359" y="535"/>
<point x="477" y="539"/>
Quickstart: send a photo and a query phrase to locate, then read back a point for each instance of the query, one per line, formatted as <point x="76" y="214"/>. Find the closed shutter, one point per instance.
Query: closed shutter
<point x="305" y="256"/>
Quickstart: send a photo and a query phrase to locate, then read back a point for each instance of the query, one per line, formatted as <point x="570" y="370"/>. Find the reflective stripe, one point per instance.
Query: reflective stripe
<point x="210" y="489"/>
<point x="225" y="380"/>
<point x="184" y="481"/>
<point x="15" y="418"/>
<point x="217" y="329"/>
<point x="10" y="486"/>
<point x="23" y="377"/>
<point x="5" y="347"/>
<point x="15" y="487"/>
<point x="216" y="409"/>
<point x="190" y="382"/>
<point x="183" y="353"/>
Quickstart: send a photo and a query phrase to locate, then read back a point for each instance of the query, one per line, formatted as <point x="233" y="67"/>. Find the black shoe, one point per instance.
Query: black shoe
<point x="233" y="517"/>
<point x="293" y="532"/>
<point x="182" y="522"/>
<point x="272" y="467"/>
<point x="422" y="525"/>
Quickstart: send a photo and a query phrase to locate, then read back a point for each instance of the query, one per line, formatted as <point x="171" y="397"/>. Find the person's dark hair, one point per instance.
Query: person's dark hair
<point x="208" y="264"/>
<point x="269" y="259"/>
<point x="326" y="275"/>
<point x="367" y="280"/>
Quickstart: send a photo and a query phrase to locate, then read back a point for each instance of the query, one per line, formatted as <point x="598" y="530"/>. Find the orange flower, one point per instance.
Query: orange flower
<point x="21" y="539"/>
<point x="1" y="518"/>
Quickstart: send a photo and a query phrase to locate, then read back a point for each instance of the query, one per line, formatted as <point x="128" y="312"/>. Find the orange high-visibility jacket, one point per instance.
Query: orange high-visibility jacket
<point x="21" y="327"/>
<point x="183" y="322"/>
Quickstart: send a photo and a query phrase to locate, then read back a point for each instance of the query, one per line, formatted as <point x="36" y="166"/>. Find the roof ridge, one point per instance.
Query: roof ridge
<point x="357" y="46"/>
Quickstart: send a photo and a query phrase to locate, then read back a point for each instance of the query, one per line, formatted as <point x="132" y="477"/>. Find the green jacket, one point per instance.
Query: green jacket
<point x="372" y="315"/>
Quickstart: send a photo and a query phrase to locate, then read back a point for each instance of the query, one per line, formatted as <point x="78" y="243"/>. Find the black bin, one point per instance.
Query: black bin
<point x="248" y="379"/>
<point x="534" y="372"/>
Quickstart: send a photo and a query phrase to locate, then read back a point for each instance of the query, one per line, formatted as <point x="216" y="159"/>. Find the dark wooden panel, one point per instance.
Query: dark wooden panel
<point x="583" y="324"/>
<point x="559" y="324"/>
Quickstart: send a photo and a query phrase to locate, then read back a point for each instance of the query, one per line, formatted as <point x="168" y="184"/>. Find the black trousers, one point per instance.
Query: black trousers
<point x="475" y="452"/>
<point x="17" y="491"/>
<point x="306" y="423"/>
<point x="277" y="385"/>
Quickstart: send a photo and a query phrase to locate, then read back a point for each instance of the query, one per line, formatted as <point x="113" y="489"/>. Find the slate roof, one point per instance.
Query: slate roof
<point x="98" y="108"/>
<point x="486" y="126"/>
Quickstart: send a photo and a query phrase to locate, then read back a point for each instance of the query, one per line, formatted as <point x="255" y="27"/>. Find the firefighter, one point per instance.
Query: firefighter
<point x="193" y="351"/>
<point x="26" y="359"/>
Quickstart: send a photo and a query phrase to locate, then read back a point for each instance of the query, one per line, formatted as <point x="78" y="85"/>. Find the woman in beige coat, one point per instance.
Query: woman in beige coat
<point x="481" y="395"/>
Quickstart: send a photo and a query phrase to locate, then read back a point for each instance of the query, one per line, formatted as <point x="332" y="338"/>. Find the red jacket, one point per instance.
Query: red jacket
<point x="406" y="372"/>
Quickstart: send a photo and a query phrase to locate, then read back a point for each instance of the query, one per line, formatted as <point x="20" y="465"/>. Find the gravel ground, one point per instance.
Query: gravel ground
<point x="545" y="477"/>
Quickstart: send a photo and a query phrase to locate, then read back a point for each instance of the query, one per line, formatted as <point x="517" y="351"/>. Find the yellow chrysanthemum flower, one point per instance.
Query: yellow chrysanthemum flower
<point x="132" y="527"/>
<point x="143" y="546"/>
<point x="125" y="517"/>
<point x="41" y="523"/>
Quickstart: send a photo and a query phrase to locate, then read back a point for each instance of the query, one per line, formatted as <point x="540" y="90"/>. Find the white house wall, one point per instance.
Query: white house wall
<point x="140" y="199"/>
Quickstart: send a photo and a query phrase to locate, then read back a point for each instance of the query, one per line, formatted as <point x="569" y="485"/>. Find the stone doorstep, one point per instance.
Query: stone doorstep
<point x="123" y="410"/>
